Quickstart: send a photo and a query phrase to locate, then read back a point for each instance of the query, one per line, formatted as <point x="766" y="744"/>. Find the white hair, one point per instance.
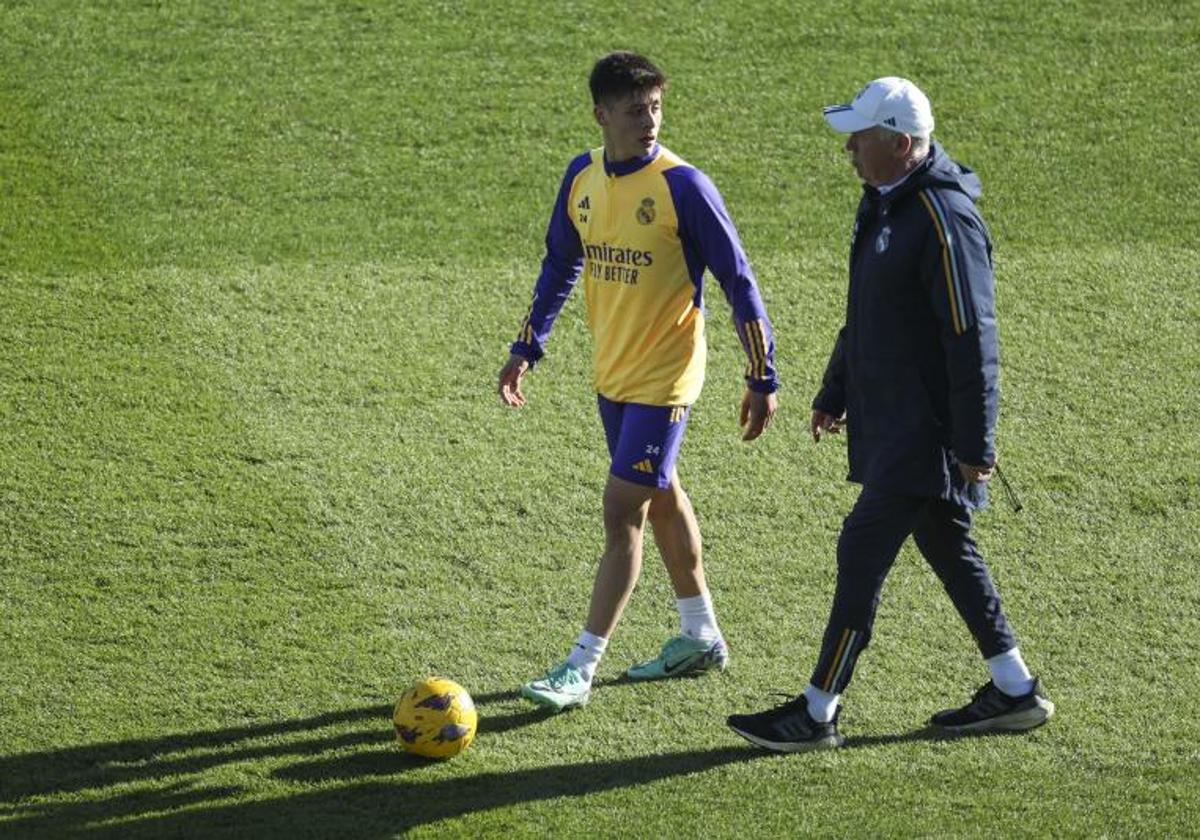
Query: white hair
<point x="920" y="142"/>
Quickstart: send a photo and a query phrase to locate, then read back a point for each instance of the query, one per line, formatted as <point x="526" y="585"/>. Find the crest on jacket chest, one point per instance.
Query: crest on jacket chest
<point x="883" y="239"/>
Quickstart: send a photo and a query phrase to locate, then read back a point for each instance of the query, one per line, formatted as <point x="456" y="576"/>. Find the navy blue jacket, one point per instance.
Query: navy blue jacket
<point x="916" y="366"/>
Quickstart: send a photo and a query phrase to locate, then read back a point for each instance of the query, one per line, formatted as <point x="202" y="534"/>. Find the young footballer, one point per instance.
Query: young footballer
<point x="639" y="226"/>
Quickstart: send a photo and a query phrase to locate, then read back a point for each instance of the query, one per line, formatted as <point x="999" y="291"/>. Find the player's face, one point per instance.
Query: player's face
<point x="876" y="155"/>
<point x="630" y="124"/>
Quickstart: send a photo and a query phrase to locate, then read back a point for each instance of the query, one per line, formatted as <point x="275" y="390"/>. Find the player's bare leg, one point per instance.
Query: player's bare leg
<point x="625" y="507"/>
<point x="699" y="645"/>
<point x="677" y="535"/>
<point x="570" y="682"/>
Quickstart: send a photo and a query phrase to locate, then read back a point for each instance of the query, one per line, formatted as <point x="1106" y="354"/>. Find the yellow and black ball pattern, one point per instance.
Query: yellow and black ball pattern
<point x="435" y="718"/>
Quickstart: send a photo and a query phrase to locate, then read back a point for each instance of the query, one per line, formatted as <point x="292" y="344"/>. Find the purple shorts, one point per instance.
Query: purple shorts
<point x="643" y="440"/>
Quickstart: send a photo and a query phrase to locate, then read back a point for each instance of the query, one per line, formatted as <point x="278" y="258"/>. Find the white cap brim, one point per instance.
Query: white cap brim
<point x="845" y="119"/>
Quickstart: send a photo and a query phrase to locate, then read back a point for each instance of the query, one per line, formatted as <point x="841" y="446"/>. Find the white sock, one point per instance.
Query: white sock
<point x="697" y="619"/>
<point x="821" y="704"/>
<point x="586" y="654"/>
<point x="1010" y="674"/>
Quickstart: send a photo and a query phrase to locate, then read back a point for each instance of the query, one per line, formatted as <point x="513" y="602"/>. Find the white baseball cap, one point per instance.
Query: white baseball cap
<point x="890" y="102"/>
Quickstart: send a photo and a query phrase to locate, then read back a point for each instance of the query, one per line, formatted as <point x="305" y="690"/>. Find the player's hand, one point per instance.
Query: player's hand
<point x="824" y="422"/>
<point x="976" y="474"/>
<point x="756" y="414"/>
<point x="510" y="381"/>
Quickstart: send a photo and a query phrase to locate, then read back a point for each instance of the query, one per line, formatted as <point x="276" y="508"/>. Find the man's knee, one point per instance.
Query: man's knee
<point x="625" y="504"/>
<point x="949" y="550"/>
<point x="929" y="548"/>
<point x="873" y="532"/>
<point x="856" y="550"/>
<point x="668" y="504"/>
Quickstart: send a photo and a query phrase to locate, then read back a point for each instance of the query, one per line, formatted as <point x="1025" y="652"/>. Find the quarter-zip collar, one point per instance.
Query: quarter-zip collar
<point x="628" y="167"/>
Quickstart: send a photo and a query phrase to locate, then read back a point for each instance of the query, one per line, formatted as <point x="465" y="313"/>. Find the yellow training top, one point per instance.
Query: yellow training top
<point x="641" y="233"/>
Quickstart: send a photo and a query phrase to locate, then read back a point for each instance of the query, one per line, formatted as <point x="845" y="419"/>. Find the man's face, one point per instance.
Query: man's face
<point x="630" y="124"/>
<point x="877" y="155"/>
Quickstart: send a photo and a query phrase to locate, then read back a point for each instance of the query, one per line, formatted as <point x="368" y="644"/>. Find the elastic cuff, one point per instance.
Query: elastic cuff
<point x="526" y="351"/>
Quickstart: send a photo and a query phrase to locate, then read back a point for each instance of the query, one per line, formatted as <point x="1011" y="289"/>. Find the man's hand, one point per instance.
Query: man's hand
<point x="757" y="411"/>
<point x="824" y="422"/>
<point x="510" y="381"/>
<point x="973" y="474"/>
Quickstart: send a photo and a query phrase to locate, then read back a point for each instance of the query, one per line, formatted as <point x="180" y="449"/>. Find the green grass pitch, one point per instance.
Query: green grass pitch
<point x="259" y="266"/>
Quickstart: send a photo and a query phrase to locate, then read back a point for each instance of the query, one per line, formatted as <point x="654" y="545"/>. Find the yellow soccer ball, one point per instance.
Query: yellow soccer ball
<point x="435" y="718"/>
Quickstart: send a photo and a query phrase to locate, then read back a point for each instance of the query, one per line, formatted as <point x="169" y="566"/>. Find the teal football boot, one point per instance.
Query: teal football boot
<point x="563" y="687"/>
<point x="682" y="655"/>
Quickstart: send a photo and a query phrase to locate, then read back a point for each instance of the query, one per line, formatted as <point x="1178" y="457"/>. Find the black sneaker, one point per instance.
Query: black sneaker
<point x="991" y="710"/>
<point x="788" y="728"/>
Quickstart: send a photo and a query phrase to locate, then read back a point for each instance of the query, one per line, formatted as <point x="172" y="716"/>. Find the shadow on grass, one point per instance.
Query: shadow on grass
<point x="121" y="762"/>
<point x="376" y="791"/>
<point x="362" y="810"/>
<point x="928" y="733"/>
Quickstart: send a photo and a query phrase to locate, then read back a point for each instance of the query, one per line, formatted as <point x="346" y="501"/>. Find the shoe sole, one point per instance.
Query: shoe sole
<point x="547" y="703"/>
<point x="827" y="742"/>
<point x="1021" y="721"/>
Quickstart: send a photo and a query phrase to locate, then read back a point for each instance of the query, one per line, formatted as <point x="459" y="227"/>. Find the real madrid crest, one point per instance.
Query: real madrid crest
<point x="645" y="213"/>
<point x="881" y="241"/>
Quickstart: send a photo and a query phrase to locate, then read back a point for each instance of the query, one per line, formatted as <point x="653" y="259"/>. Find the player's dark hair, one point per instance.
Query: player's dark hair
<point x="620" y="74"/>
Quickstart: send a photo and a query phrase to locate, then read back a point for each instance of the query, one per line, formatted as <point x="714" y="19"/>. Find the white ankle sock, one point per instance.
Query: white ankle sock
<point x="586" y="654"/>
<point x="1010" y="674"/>
<point x="821" y="704"/>
<point x="697" y="619"/>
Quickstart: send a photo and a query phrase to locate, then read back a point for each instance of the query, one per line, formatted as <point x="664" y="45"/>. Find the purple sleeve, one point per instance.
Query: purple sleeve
<point x="710" y="240"/>
<point x="560" y="270"/>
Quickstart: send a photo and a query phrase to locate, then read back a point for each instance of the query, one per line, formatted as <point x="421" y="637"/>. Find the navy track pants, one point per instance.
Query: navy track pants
<point x="871" y="538"/>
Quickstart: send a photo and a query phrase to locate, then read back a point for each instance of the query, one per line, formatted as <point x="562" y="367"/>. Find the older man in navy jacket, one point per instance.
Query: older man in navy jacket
<point x="914" y="377"/>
